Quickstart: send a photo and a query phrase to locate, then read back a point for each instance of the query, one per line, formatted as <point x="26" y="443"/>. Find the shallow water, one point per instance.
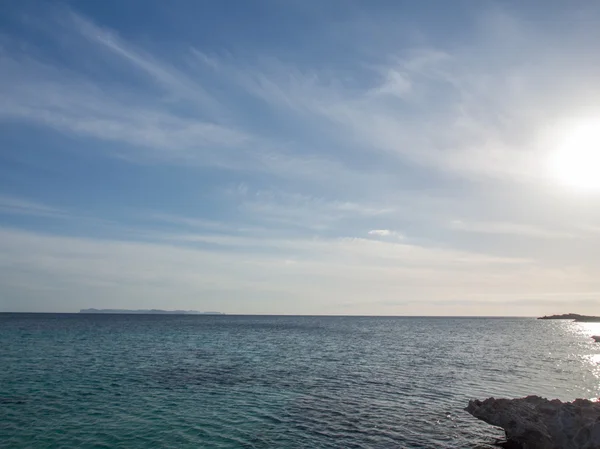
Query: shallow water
<point x="136" y="381"/>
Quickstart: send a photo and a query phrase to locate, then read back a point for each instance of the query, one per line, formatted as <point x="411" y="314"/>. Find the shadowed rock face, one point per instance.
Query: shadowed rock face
<point x="537" y="423"/>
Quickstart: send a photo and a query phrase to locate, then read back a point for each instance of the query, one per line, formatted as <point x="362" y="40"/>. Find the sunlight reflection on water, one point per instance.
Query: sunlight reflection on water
<point x="587" y="348"/>
<point x="588" y="329"/>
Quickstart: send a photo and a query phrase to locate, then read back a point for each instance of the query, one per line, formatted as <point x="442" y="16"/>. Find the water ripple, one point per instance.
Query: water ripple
<point x="269" y="382"/>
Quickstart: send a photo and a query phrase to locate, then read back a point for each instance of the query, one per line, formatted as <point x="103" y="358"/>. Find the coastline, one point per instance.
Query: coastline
<point x="146" y="312"/>
<point x="572" y="317"/>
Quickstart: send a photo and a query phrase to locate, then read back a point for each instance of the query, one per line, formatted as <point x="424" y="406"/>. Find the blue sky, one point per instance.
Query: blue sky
<point x="299" y="157"/>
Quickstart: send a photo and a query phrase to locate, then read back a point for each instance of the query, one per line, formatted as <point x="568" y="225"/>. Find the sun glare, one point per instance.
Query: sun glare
<point x="576" y="163"/>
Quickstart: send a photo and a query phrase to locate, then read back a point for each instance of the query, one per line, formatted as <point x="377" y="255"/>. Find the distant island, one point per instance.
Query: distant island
<point x="150" y="312"/>
<point x="573" y="317"/>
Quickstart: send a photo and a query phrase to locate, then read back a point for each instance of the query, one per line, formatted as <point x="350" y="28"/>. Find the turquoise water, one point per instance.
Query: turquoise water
<point x="135" y="381"/>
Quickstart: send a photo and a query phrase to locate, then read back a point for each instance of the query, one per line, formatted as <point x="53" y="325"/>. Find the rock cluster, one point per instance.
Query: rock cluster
<point x="537" y="423"/>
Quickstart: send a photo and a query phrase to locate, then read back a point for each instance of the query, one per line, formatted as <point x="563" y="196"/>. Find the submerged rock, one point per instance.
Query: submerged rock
<point x="537" y="423"/>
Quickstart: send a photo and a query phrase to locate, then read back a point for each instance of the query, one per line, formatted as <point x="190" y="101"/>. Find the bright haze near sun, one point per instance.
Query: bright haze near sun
<point x="300" y="157"/>
<point x="576" y="160"/>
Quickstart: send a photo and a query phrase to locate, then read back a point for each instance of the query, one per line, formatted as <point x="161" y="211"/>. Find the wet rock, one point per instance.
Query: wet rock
<point x="537" y="423"/>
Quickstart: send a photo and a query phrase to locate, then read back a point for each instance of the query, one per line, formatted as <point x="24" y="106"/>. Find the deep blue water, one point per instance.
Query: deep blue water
<point x="143" y="381"/>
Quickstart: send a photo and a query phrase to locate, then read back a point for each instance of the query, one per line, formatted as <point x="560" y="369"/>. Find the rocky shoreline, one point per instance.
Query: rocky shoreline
<point x="572" y="317"/>
<point x="538" y="423"/>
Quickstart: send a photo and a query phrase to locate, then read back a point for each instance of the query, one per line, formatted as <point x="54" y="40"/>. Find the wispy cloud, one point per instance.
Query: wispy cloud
<point x="22" y="206"/>
<point x="484" y="122"/>
<point x="185" y="124"/>
<point x="348" y="168"/>
<point x="395" y="84"/>
<point x="304" y="210"/>
<point x="181" y="124"/>
<point x="380" y="232"/>
<point x="174" y="81"/>
<point x="385" y="233"/>
<point x="386" y="110"/>
<point x="517" y="229"/>
<point x="42" y="94"/>
<point x="145" y="272"/>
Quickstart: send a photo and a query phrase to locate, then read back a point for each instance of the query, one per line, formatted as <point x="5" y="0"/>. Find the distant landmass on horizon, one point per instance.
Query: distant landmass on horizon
<point x="150" y="312"/>
<point x="572" y="316"/>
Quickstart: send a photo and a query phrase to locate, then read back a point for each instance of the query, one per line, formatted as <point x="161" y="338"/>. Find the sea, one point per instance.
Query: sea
<point x="208" y="381"/>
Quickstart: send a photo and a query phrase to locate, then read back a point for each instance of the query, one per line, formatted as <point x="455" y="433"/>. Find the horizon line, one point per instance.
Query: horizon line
<point x="269" y="314"/>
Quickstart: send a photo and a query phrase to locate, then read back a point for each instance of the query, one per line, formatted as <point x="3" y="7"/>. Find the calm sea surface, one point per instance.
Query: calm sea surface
<point x="134" y="381"/>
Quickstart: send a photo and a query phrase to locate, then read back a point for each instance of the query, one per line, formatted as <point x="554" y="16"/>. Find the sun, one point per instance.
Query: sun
<point x="576" y="162"/>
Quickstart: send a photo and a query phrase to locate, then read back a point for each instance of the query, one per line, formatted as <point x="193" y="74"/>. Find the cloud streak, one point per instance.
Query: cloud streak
<point x="363" y="172"/>
<point x="15" y="205"/>
<point x="149" y="271"/>
<point x="516" y="229"/>
<point x="173" y="80"/>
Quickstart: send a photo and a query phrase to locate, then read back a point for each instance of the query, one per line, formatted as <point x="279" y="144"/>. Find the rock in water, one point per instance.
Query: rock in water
<point x="537" y="423"/>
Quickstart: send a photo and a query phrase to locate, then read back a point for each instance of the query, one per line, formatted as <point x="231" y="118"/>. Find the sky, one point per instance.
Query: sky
<point x="337" y="157"/>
